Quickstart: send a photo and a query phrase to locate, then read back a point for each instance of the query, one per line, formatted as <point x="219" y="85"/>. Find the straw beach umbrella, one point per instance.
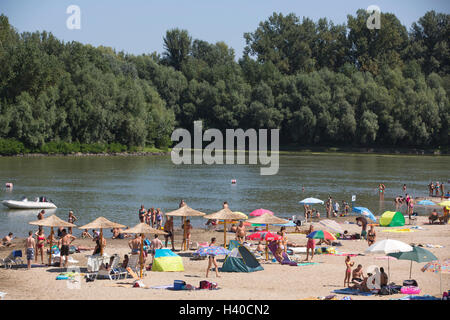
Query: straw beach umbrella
<point x="143" y="228"/>
<point x="185" y="211"/>
<point x="224" y="214"/>
<point x="267" y="219"/>
<point x="52" y="221"/>
<point x="101" y="223"/>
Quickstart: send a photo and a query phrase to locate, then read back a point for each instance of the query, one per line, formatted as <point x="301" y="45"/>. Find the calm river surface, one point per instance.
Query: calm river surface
<point x="116" y="186"/>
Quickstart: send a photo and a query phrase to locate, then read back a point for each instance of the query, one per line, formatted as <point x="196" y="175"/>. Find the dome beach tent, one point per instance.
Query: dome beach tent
<point x="392" y="219"/>
<point x="241" y="260"/>
<point x="167" y="260"/>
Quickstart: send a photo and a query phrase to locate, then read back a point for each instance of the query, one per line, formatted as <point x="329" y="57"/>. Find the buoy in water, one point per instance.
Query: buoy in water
<point x="233" y="181"/>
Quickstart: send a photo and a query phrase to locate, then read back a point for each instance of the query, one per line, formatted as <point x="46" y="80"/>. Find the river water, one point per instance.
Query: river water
<point x="116" y="186"/>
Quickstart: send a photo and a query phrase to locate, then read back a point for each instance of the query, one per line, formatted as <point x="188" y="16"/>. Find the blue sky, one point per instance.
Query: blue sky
<point x="138" y="26"/>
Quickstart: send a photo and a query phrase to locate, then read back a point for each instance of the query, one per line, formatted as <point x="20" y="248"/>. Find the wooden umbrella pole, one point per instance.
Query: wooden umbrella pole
<point x="184" y="233"/>
<point x="51" y="243"/>
<point x="225" y="234"/>
<point x="267" y="248"/>
<point x="101" y="241"/>
<point x="142" y="254"/>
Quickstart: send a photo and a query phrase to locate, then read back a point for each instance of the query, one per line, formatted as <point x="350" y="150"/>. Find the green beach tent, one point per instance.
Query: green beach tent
<point x="392" y="219"/>
<point x="241" y="260"/>
<point x="166" y="260"/>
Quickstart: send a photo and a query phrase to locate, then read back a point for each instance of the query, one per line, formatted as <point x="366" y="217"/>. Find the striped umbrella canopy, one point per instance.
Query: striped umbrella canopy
<point x="264" y="235"/>
<point x="321" y="234"/>
<point x="260" y="212"/>
<point x="212" y="250"/>
<point x="332" y="225"/>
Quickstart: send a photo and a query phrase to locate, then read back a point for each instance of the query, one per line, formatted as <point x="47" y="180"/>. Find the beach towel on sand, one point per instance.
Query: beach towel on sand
<point x="350" y="291"/>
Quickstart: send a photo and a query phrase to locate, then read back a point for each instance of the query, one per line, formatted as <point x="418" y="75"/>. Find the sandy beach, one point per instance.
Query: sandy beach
<point x="274" y="282"/>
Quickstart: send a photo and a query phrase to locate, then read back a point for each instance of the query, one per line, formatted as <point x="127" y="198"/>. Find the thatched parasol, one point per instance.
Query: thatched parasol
<point x="267" y="219"/>
<point x="52" y="221"/>
<point x="185" y="211"/>
<point x="224" y="214"/>
<point x="101" y="223"/>
<point x="142" y="228"/>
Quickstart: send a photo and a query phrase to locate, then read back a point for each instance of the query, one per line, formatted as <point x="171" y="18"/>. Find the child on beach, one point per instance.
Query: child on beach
<point x="348" y="270"/>
<point x="310" y="245"/>
<point x="212" y="259"/>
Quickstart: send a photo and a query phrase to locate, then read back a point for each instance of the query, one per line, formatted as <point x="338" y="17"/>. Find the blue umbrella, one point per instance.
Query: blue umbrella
<point x="426" y="203"/>
<point x="213" y="251"/>
<point x="365" y="212"/>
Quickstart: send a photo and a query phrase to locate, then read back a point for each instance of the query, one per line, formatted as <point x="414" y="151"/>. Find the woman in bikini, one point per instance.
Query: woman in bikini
<point x="71" y="219"/>
<point x="348" y="270"/>
<point x="371" y="236"/>
<point x="40" y="241"/>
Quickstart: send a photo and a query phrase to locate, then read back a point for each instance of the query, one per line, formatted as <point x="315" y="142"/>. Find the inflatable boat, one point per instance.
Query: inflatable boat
<point x="40" y="203"/>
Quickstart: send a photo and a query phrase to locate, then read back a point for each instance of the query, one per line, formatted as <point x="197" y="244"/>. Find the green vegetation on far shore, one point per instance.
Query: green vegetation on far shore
<point x="11" y="147"/>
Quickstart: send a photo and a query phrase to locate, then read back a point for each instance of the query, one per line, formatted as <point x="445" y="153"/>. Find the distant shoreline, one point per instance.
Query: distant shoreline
<point x="286" y="150"/>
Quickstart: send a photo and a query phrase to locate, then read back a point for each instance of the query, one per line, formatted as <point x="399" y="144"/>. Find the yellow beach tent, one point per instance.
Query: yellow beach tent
<point x="392" y="219"/>
<point x="166" y="260"/>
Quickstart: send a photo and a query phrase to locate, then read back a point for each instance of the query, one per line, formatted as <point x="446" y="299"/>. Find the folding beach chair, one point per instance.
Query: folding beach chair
<point x="114" y="273"/>
<point x="134" y="264"/>
<point x="286" y="260"/>
<point x="14" y="258"/>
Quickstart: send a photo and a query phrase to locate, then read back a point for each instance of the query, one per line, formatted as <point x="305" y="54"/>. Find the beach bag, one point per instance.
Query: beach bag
<point x="411" y="282"/>
<point x="178" y="284"/>
<point x="205" y="284"/>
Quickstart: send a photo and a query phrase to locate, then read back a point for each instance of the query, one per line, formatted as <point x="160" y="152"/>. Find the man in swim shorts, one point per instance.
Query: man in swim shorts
<point x="30" y="244"/>
<point x="310" y="245"/>
<point x="240" y="232"/>
<point x="65" y="242"/>
<point x="168" y="227"/>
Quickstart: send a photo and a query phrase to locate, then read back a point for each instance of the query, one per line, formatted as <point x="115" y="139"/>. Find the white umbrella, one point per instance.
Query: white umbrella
<point x="388" y="246"/>
<point x="311" y="201"/>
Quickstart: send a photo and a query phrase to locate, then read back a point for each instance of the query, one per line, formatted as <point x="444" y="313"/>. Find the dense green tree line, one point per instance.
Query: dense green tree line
<point x="319" y="83"/>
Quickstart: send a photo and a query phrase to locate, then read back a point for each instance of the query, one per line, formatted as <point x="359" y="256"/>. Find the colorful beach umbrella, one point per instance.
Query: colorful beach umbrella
<point x="417" y="254"/>
<point x="321" y="234"/>
<point x="212" y="250"/>
<point x="260" y="212"/>
<point x="264" y="235"/>
<point x="426" y="203"/>
<point x="243" y="215"/>
<point x="310" y="201"/>
<point x="438" y="267"/>
<point x="365" y="212"/>
<point x="445" y="203"/>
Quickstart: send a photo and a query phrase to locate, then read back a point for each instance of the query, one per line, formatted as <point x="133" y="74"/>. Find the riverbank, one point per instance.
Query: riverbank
<point x="279" y="282"/>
